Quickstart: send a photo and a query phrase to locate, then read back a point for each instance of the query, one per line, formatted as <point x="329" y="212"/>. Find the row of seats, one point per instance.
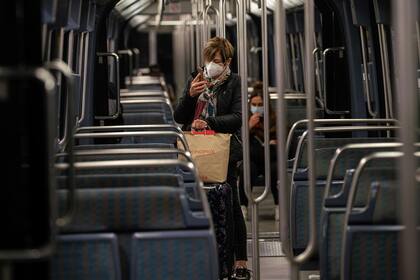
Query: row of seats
<point x="140" y="210"/>
<point x="355" y="201"/>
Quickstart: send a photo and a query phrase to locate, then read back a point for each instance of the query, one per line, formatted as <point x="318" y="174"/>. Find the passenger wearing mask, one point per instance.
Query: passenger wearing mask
<point x="256" y="142"/>
<point x="212" y="100"/>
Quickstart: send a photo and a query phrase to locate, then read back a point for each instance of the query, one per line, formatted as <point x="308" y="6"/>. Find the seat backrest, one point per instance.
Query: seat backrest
<point x="325" y="149"/>
<point x="128" y="209"/>
<point x="370" y="175"/>
<point x="97" y="257"/>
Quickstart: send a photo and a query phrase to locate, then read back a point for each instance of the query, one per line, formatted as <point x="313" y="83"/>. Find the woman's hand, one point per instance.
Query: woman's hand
<point x="197" y="85"/>
<point x="199" y="124"/>
<point x="254" y="120"/>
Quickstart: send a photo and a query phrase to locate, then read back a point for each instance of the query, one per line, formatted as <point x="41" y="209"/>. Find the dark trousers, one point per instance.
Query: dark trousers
<point x="257" y="169"/>
<point x="239" y="227"/>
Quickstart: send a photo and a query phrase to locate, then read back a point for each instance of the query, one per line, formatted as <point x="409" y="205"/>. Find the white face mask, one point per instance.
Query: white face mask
<point x="213" y="70"/>
<point x="257" y="109"/>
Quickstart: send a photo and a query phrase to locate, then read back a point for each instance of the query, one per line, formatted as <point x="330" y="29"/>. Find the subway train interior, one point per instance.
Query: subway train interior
<point x="100" y="179"/>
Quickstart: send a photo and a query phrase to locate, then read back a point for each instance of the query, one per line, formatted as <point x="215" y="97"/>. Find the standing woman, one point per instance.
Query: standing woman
<point x="212" y="100"/>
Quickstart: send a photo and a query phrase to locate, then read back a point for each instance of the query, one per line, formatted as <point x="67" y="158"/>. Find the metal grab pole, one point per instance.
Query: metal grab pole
<point x="68" y="140"/>
<point x="310" y="107"/>
<point x="243" y="68"/>
<point x="366" y="73"/>
<point x="222" y="18"/>
<point x="418" y="39"/>
<point x="280" y="43"/>
<point x="404" y="14"/>
<point x="198" y="31"/>
<point x="284" y="194"/>
<point x="267" y="174"/>
<point x="387" y="72"/>
<point x="204" y="30"/>
<point x="207" y="23"/>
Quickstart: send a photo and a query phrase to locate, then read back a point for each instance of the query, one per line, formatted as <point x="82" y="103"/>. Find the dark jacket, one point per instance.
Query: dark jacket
<point x="228" y="117"/>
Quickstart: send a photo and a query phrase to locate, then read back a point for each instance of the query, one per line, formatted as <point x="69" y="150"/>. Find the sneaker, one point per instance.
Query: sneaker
<point x="244" y="211"/>
<point x="277" y="213"/>
<point x="241" y="273"/>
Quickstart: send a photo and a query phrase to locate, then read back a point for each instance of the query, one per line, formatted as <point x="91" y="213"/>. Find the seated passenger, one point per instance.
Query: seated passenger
<point x="212" y="100"/>
<point x="256" y="142"/>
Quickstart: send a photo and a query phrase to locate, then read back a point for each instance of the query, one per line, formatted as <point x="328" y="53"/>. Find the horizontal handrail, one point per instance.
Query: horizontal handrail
<point x="133" y="163"/>
<point x="180" y="136"/>
<point x="332" y="122"/>
<point x="338" y="129"/>
<point x="145" y="93"/>
<point x="130" y="151"/>
<point x="144" y="127"/>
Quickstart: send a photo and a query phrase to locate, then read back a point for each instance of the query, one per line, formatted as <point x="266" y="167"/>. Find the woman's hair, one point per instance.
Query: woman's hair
<point x="216" y="45"/>
<point x="257" y="90"/>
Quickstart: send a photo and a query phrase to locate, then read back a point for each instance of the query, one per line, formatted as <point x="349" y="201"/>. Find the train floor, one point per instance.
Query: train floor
<point x="273" y="263"/>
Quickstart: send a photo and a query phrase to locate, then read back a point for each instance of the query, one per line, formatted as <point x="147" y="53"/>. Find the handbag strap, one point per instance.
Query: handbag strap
<point x="203" y="132"/>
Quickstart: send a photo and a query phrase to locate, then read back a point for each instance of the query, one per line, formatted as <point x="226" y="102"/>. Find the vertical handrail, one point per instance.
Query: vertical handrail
<point x="388" y="72"/>
<point x="266" y="100"/>
<point x="383" y="46"/>
<point x="117" y="80"/>
<point x="222" y="21"/>
<point x="310" y="107"/>
<point x="198" y="40"/>
<point x="161" y="7"/>
<point x="284" y="194"/>
<point x="302" y="50"/>
<point x="384" y="72"/>
<point x="207" y="22"/>
<point x="404" y="15"/>
<point x="318" y="75"/>
<point x="280" y="50"/>
<point x="294" y="66"/>
<point x="366" y="82"/>
<point x="243" y="69"/>
<point x="192" y="45"/>
<point x="129" y="53"/>
<point x="136" y="59"/>
<point x="204" y="30"/>
<point x="68" y="139"/>
<point x="418" y="39"/>
<point x="85" y="76"/>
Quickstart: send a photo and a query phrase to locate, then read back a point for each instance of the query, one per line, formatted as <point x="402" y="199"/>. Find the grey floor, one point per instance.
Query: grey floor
<point x="273" y="264"/>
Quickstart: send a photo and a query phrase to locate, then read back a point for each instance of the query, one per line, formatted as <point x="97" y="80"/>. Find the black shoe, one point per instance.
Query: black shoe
<point x="241" y="273"/>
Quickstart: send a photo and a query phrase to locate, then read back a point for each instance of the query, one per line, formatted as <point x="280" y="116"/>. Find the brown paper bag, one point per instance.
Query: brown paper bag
<point x="210" y="153"/>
